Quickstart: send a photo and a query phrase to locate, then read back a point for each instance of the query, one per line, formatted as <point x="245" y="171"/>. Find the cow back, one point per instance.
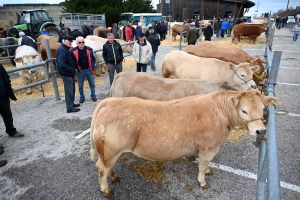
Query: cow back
<point x="209" y="49"/>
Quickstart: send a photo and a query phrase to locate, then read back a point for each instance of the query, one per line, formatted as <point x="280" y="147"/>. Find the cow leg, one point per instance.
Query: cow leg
<point x="102" y="69"/>
<point x="104" y="171"/>
<point x="204" y="159"/>
<point x="27" y="81"/>
<point x="96" y="69"/>
<point x="38" y="78"/>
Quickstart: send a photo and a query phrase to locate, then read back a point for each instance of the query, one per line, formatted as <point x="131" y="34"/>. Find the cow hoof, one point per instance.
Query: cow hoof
<point x="207" y="186"/>
<point x="103" y="72"/>
<point x="108" y="194"/>
<point x="210" y="173"/>
<point x="116" y="180"/>
<point x="29" y="93"/>
<point x="97" y="74"/>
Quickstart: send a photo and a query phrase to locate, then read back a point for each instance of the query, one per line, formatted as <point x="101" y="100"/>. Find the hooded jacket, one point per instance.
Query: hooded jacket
<point x="142" y="52"/>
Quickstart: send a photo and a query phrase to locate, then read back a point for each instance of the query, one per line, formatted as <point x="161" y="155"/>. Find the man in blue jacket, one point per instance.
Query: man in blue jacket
<point x="66" y="69"/>
<point x="113" y="56"/>
<point x="85" y="61"/>
<point x="224" y="27"/>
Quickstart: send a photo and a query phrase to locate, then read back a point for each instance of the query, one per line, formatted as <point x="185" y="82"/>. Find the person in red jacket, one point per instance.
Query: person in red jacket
<point x="128" y="33"/>
<point x="85" y="61"/>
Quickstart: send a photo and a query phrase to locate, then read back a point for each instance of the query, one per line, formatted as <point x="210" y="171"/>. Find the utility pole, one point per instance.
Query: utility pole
<point x="287" y="8"/>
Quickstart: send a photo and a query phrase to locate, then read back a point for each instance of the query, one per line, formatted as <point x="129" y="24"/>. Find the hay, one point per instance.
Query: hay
<point x="261" y="40"/>
<point x="237" y="133"/>
<point x="151" y="171"/>
<point x="48" y="87"/>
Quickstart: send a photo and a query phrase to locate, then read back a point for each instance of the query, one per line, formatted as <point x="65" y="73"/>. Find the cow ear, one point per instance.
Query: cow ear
<point x="255" y="68"/>
<point x="18" y="60"/>
<point x="268" y="100"/>
<point x="235" y="100"/>
<point x="231" y="66"/>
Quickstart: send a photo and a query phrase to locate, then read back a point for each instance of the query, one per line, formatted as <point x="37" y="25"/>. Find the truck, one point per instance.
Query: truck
<point x="145" y="18"/>
<point x="78" y="19"/>
<point x="31" y="22"/>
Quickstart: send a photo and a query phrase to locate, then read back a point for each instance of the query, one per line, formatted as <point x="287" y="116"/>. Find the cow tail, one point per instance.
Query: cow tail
<point x="95" y="114"/>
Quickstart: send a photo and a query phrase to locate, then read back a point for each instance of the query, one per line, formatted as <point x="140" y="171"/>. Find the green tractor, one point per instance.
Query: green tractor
<point x="33" y="21"/>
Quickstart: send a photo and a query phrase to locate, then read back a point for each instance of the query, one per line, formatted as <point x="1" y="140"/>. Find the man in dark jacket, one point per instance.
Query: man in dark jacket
<point x="76" y="33"/>
<point x="63" y="33"/>
<point x="192" y="34"/>
<point x="85" y="61"/>
<point x="155" y="42"/>
<point x="162" y="31"/>
<point x="208" y="33"/>
<point x="113" y="56"/>
<point x="6" y="93"/>
<point x="85" y="30"/>
<point x="26" y="40"/>
<point x="66" y="69"/>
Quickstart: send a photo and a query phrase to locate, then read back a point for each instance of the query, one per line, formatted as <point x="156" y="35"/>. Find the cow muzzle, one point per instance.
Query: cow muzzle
<point x="31" y="71"/>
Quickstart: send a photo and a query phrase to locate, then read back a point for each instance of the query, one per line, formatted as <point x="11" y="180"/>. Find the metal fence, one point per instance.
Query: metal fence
<point x="48" y="62"/>
<point x="268" y="177"/>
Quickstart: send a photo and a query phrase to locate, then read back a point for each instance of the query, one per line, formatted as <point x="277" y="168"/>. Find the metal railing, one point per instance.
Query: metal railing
<point x="268" y="177"/>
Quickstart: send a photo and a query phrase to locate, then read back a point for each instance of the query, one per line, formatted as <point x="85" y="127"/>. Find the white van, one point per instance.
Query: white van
<point x="291" y="19"/>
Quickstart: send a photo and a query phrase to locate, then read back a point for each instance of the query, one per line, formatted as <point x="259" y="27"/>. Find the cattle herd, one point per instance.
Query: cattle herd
<point x="206" y="90"/>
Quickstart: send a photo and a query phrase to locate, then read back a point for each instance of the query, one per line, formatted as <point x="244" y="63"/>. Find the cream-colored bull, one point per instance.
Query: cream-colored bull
<point x="168" y="130"/>
<point x="179" y="64"/>
<point x="146" y="86"/>
<point x="26" y="55"/>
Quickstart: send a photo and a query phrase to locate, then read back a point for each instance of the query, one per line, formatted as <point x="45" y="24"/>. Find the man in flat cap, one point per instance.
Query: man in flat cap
<point x="66" y="69"/>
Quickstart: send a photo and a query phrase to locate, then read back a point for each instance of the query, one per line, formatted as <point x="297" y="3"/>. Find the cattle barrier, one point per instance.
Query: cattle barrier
<point x="44" y="64"/>
<point x="268" y="176"/>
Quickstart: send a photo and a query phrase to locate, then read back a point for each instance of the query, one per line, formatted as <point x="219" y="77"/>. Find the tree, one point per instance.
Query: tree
<point x="111" y="8"/>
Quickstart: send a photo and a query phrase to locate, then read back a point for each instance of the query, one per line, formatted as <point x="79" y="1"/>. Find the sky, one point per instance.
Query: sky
<point x="263" y="5"/>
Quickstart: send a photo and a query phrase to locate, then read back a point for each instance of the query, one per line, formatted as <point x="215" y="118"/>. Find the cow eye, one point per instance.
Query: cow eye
<point x="244" y="112"/>
<point x="242" y="75"/>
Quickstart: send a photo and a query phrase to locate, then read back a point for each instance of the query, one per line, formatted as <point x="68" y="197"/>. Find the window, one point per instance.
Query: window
<point x="227" y="7"/>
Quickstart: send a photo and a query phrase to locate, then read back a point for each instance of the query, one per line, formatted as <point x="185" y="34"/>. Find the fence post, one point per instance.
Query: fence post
<point x="180" y="36"/>
<point x="52" y="71"/>
<point x="273" y="189"/>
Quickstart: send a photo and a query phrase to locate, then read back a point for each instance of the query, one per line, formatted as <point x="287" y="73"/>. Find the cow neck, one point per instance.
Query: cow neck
<point x="229" y="112"/>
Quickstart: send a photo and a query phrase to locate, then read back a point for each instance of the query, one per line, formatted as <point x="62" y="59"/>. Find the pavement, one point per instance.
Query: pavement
<point x="52" y="160"/>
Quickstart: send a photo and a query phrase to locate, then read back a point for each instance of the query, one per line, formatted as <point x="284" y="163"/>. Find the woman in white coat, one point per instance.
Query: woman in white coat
<point x="142" y="53"/>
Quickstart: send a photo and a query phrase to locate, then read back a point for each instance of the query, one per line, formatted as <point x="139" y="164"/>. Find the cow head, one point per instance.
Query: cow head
<point x="243" y="75"/>
<point x="27" y="60"/>
<point x="259" y="75"/>
<point x="249" y="106"/>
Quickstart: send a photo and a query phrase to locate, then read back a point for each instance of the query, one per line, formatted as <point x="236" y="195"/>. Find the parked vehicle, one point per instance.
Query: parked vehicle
<point x="291" y="19"/>
<point x="33" y="21"/>
<point x="146" y="17"/>
<point x="78" y="19"/>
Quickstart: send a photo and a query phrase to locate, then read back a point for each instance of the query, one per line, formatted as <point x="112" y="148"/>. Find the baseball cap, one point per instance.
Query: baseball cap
<point x="67" y="37"/>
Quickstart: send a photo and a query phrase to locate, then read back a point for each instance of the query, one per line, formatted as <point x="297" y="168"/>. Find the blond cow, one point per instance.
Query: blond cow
<point x="168" y="130"/>
<point x="234" y="54"/>
<point x="179" y="64"/>
<point x="26" y="55"/>
<point x="151" y="87"/>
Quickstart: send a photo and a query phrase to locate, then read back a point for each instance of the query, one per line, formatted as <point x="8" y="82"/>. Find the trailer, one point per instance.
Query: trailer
<point x="78" y="19"/>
